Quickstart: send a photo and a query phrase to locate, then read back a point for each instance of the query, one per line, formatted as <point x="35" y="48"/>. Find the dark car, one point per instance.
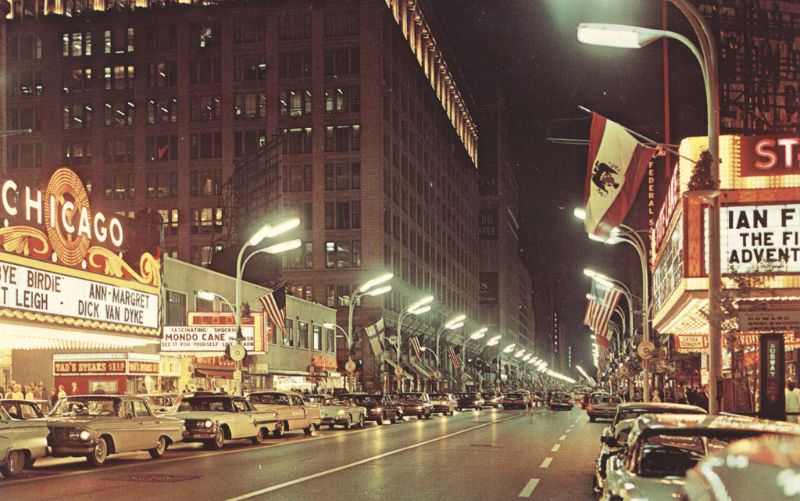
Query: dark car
<point x="492" y="399"/>
<point x="560" y="400"/>
<point x="602" y="406"/>
<point x="380" y="408"/>
<point x="469" y="401"/>
<point x="416" y="404"/>
<point x="517" y="400"/>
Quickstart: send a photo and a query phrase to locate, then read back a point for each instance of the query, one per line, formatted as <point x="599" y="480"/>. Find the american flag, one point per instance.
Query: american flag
<point x="600" y="307"/>
<point x="275" y="306"/>
<point x="454" y="358"/>
<point x="414" y="343"/>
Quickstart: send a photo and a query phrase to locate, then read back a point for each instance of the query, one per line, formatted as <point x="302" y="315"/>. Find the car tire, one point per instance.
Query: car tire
<point x="420" y="416"/>
<point x="379" y="421"/>
<point x="99" y="455"/>
<point x="160" y="449"/>
<point x="217" y="442"/>
<point x="348" y="424"/>
<point x="14" y="464"/>
<point x="331" y="426"/>
<point x="309" y="430"/>
<point x="278" y="431"/>
<point x="317" y="426"/>
<point x="591" y="419"/>
<point x="260" y="438"/>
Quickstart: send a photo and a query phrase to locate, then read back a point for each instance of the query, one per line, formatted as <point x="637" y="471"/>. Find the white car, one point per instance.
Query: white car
<point x="344" y="412"/>
<point x="213" y="419"/>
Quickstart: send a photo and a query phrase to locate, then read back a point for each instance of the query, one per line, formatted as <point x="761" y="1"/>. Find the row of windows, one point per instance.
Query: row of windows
<point x="163" y="185"/>
<point x="298" y="334"/>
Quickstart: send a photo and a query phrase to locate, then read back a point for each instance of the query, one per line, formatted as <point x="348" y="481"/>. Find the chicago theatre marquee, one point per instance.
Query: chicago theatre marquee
<point x="74" y="281"/>
<point x="760" y="242"/>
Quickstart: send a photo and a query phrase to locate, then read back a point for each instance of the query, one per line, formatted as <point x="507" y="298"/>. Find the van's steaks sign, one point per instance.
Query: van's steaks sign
<point x="62" y="263"/>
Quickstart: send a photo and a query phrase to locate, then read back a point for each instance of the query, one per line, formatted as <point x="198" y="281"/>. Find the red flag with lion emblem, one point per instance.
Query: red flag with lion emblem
<point x="617" y="164"/>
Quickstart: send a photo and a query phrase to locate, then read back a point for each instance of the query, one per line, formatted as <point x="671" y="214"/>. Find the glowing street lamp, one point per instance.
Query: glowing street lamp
<point x="418" y="308"/>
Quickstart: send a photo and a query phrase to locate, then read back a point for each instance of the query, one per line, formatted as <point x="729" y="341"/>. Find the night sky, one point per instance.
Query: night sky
<point x="530" y="50"/>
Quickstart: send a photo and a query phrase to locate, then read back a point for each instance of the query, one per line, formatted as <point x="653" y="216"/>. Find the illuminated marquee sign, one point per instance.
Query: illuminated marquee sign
<point x="204" y="338"/>
<point x="769" y="156"/>
<point x="61" y="262"/>
<point x="760" y="238"/>
<point x="108" y="363"/>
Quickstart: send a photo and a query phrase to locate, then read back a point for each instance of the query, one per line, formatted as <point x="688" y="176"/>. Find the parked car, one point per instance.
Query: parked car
<point x="395" y="400"/>
<point x="469" y="401"/>
<point x="214" y="418"/>
<point x="344" y="412"/>
<point x="163" y="403"/>
<point x="610" y="445"/>
<point x="492" y="399"/>
<point x="560" y="400"/>
<point x="292" y="413"/>
<point x="443" y="403"/>
<point x="661" y="448"/>
<point x="95" y="426"/>
<point x="631" y="410"/>
<point x="380" y="408"/>
<point x="22" y="409"/>
<point x="756" y="468"/>
<point x="416" y="404"/>
<point x="517" y="400"/>
<point x="21" y="443"/>
<point x="602" y="406"/>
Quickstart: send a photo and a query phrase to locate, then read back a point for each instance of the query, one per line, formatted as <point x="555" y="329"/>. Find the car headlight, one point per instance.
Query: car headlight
<point x="377" y="409"/>
<point x="209" y="423"/>
<point x="85" y="435"/>
<point x="340" y="412"/>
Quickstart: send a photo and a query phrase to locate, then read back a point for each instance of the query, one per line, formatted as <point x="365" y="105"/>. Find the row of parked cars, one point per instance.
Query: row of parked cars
<point x="96" y="426"/>
<point x="667" y="451"/>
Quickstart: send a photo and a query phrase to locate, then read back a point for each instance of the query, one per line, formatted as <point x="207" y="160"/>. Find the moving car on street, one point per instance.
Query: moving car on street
<point x="492" y="399"/>
<point x="517" y="400"/>
<point x="662" y="448"/>
<point x="342" y="411"/>
<point x="95" y="426"/>
<point x="443" y="403"/>
<point x="469" y="401"/>
<point x="214" y="418"/>
<point x="602" y="406"/>
<point x="22" y="409"/>
<point x="380" y="408"/>
<point x="292" y="413"/>
<point x="21" y="443"/>
<point x="756" y="468"/>
<point x="560" y="400"/>
<point x="416" y="404"/>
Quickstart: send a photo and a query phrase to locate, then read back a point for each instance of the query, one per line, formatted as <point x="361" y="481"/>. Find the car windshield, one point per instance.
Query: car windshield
<point x="467" y="395"/>
<point x="269" y="399"/>
<point x="411" y="396"/>
<point x="561" y="396"/>
<point x="514" y="395"/>
<point x="638" y="411"/>
<point x="337" y="401"/>
<point x="160" y="400"/>
<point x="438" y="396"/>
<point x="365" y="400"/>
<point x="489" y="394"/>
<point x="605" y="399"/>
<point x="670" y="456"/>
<point x="87" y="406"/>
<point x="213" y="404"/>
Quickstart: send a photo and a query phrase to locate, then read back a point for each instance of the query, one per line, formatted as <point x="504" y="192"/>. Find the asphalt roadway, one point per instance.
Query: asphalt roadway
<point x="486" y="455"/>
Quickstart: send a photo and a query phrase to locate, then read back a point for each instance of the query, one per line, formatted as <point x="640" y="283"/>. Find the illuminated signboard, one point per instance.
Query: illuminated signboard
<point x="104" y="363"/>
<point x="760" y="238"/>
<point x="669" y="271"/>
<point x="769" y="156"/>
<point x="204" y="338"/>
<point x="63" y="263"/>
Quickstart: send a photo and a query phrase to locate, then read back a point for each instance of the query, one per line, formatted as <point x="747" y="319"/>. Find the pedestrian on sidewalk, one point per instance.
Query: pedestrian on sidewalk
<point x="792" y="402"/>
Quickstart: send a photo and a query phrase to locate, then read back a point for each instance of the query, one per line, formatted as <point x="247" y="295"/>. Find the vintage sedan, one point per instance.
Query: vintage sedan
<point x="560" y="400"/>
<point x="95" y="426"/>
<point x="517" y="400"/>
<point x="602" y="406"/>
<point x="21" y="443"/>
<point x="443" y="403"/>
<point x="380" y="408"/>
<point x="416" y="403"/>
<point x="632" y="410"/>
<point x="22" y="409"/>
<point x="469" y="401"/>
<point x="610" y="445"/>
<point x="757" y="468"/>
<point x="163" y="403"/>
<point x="214" y="418"/>
<point x="292" y="413"/>
<point x="662" y="448"/>
<point x="342" y="411"/>
<point x="492" y="399"/>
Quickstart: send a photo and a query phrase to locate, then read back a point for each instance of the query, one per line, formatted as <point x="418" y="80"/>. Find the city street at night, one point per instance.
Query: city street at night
<point x="491" y="454"/>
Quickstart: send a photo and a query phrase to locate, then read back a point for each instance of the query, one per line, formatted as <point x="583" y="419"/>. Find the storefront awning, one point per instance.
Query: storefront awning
<point x="15" y="336"/>
<point x="220" y="372"/>
<point x="281" y="372"/>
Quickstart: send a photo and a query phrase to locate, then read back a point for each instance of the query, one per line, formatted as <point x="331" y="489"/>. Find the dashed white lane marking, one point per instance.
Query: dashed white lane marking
<point x="555" y="448"/>
<point x="562" y="437"/>
<point x="546" y="463"/>
<point x="323" y="473"/>
<point x="529" y="487"/>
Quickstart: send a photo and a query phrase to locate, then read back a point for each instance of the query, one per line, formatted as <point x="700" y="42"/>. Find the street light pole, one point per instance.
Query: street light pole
<point x="635" y="37"/>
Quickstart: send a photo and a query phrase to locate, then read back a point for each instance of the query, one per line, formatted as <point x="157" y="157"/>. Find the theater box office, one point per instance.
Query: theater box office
<point x="73" y="279"/>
